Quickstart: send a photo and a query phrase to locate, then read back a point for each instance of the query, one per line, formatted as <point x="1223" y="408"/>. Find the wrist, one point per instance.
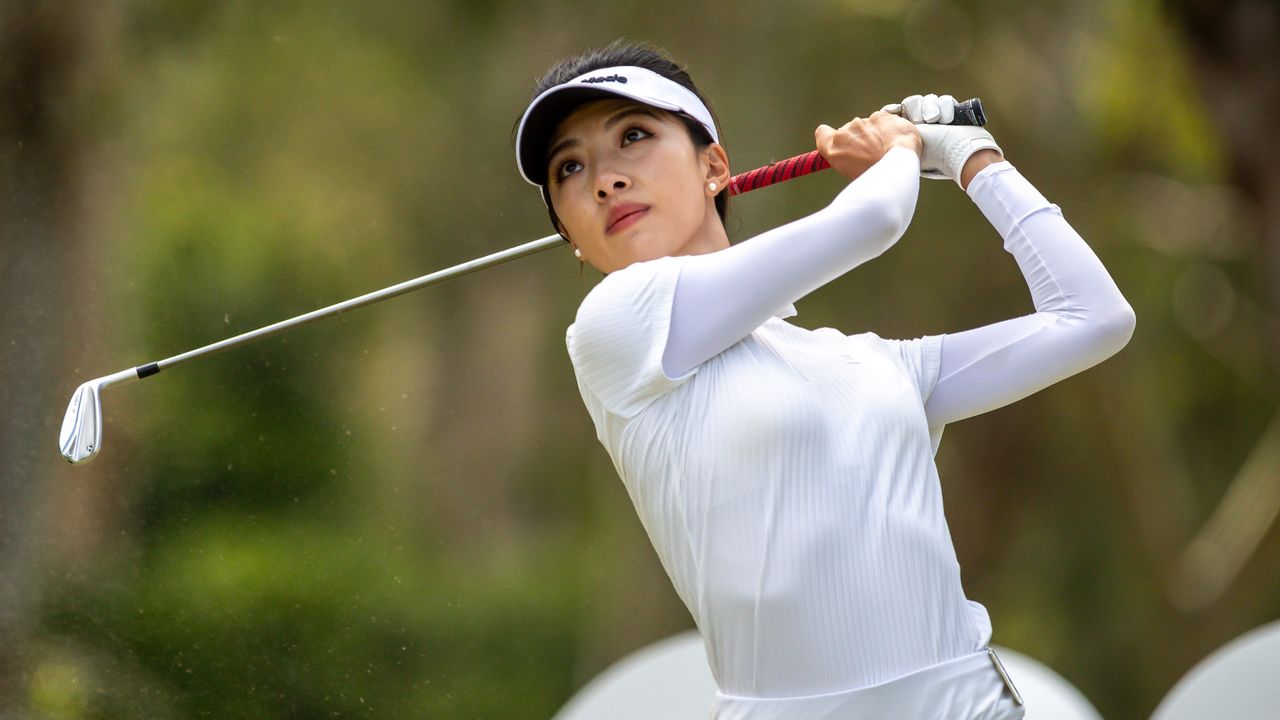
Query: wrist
<point x="976" y="163"/>
<point x="911" y="142"/>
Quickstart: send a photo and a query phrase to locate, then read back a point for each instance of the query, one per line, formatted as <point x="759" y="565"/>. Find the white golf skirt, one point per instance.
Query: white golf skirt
<point x="966" y="688"/>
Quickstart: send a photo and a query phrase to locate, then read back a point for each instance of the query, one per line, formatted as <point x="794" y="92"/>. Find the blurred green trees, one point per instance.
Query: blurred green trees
<point x="404" y="511"/>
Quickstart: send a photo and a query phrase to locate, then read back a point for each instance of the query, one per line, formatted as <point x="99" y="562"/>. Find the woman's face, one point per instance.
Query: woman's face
<point x="629" y="185"/>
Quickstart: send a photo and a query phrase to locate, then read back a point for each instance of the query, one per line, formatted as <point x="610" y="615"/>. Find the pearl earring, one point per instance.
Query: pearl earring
<point x="577" y="253"/>
<point x="711" y="186"/>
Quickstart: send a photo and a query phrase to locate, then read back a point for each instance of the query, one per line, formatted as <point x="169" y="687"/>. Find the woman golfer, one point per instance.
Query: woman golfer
<point x="785" y="476"/>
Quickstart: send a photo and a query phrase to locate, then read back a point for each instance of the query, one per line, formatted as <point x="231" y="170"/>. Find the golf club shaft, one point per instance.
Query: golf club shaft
<point x="968" y="112"/>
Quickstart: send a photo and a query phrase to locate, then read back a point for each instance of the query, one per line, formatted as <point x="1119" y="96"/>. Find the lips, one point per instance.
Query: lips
<point x="623" y="216"/>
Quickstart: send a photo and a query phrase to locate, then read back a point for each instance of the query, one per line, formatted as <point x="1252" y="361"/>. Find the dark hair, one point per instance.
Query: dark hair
<point x="649" y="57"/>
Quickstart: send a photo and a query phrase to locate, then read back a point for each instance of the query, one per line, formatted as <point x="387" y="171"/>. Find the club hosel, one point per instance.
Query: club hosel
<point x="124" y="377"/>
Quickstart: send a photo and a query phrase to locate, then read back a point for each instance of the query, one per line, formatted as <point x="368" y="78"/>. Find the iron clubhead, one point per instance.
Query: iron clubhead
<point x="81" y="434"/>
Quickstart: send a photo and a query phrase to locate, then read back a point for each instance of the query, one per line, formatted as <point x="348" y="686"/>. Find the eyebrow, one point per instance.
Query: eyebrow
<point x="613" y="120"/>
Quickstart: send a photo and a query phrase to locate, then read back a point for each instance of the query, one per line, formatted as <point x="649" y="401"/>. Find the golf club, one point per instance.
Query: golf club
<point x="80" y="438"/>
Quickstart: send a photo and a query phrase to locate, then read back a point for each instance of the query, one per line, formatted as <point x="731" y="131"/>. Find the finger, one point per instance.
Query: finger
<point x="929" y="108"/>
<point x="892" y="108"/>
<point x="911" y="107"/>
<point x="947" y="107"/>
<point x="822" y="135"/>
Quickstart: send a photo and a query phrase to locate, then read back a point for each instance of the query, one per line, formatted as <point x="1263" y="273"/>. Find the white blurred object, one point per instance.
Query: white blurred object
<point x="1048" y="695"/>
<point x="1239" y="681"/>
<point x="670" y="679"/>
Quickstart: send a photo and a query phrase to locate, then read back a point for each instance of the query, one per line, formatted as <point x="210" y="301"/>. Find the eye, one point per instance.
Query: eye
<point x="633" y="134"/>
<point x="567" y="168"/>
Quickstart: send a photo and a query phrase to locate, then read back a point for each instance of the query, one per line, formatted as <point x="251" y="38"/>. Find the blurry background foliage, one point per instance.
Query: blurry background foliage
<point x="405" y="513"/>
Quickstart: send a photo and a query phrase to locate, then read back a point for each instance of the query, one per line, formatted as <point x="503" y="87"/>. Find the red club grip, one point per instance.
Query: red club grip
<point x="777" y="172"/>
<point x="968" y="112"/>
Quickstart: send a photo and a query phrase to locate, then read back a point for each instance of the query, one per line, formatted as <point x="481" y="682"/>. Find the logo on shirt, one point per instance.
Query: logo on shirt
<point x="606" y="78"/>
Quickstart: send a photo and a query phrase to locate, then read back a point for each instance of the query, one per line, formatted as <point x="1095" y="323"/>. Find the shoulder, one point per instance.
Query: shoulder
<point x="635" y="300"/>
<point x="633" y="284"/>
<point x="919" y="358"/>
<point x="617" y="339"/>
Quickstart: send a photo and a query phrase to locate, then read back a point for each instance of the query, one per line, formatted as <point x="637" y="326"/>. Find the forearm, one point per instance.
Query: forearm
<point x="1081" y="317"/>
<point x="976" y="163"/>
<point x="722" y="297"/>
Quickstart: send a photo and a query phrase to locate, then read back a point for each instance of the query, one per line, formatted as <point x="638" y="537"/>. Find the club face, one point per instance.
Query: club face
<point x="81" y="434"/>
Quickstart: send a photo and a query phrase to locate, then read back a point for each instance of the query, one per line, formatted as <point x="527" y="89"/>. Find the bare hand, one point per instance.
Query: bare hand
<point x="859" y="143"/>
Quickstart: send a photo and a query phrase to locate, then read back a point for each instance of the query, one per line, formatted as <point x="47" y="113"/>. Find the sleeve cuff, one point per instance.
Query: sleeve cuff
<point x="986" y="174"/>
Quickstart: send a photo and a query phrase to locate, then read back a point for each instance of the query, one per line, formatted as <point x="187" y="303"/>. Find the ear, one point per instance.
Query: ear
<point x="716" y="161"/>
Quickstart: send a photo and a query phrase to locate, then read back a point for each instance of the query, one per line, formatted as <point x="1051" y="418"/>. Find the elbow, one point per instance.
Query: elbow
<point x="886" y="219"/>
<point x="1115" y="326"/>
<point x="876" y="208"/>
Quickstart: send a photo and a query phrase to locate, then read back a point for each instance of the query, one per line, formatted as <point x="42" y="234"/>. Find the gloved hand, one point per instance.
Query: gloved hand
<point x="946" y="147"/>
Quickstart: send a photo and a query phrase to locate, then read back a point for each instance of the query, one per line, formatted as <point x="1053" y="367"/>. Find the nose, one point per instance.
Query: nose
<point x="609" y="183"/>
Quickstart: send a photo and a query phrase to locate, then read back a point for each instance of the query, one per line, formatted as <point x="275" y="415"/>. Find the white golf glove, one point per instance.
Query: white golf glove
<point x="946" y="147"/>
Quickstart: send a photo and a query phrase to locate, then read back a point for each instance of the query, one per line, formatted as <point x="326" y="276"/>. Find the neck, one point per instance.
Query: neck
<point x="710" y="236"/>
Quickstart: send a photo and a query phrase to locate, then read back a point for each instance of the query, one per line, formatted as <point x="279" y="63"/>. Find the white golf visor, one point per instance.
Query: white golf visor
<point x="548" y="109"/>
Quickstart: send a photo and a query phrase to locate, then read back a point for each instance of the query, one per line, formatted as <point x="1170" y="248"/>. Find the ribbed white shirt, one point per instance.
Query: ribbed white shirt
<point x="789" y="488"/>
